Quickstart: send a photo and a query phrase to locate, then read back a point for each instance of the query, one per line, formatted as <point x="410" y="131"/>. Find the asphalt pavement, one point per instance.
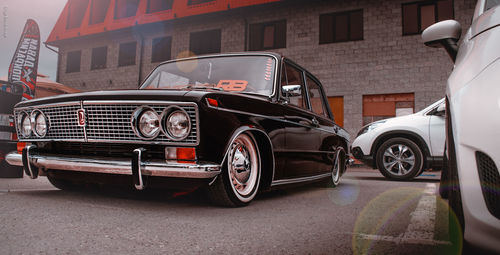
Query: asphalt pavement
<point x="365" y="214"/>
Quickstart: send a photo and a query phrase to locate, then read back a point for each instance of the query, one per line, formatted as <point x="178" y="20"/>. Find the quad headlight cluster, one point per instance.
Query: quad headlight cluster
<point x="174" y="122"/>
<point x="34" y="123"/>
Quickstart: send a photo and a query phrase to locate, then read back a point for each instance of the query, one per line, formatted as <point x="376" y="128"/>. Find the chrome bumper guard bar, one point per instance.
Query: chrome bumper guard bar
<point x="135" y="166"/>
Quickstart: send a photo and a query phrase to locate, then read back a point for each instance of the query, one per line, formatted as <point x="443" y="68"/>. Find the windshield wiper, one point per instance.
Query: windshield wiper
<point x="203" y="87"/>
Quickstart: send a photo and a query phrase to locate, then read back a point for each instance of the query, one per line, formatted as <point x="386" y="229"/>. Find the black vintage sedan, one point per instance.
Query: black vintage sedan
<point x="234" y="124"/>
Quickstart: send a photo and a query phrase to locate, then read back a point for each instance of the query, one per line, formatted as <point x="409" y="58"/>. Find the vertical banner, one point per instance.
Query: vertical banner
<point x="24" y="65"/>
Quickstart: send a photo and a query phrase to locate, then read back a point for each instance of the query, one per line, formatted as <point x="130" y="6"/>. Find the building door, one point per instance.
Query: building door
<point x="337" y="107"/>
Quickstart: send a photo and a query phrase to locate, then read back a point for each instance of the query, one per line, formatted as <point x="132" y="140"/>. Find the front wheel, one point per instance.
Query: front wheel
<point x="239" y="180"/>
<point x="337" y="168"/>
<point x="399" y="159"/>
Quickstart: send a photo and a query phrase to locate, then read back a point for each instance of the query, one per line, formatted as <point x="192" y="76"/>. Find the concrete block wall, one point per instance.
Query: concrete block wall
<point x="383" y="62"/>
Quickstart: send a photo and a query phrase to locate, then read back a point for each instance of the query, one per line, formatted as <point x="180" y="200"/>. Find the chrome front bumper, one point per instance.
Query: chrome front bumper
<point x="117" y="166"/>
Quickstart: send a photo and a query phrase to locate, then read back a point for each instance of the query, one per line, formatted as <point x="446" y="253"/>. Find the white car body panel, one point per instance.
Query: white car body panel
<point x="473" y="93"/>
<point x="417" y="123"/>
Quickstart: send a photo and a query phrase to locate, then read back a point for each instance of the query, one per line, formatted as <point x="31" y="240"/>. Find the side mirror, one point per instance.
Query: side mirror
<point x="441" y="110"/>
<point x="292" y="90"/>
<point x="443" y="34"/>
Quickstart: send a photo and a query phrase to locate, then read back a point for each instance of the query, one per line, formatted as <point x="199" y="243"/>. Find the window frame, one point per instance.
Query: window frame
<point x="419" y="5"/>
<point x="70" y="70"/>
<point x="120" y="64"/>
<point x="93" y="65"/>
<point x="199" y="33"/>
<point x="261" y="30"/>
<point x="349" y="26"/>
<point x="153" y="47"/>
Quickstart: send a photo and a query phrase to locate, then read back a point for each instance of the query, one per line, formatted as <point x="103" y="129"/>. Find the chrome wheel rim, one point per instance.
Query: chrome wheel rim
<point x="399" y="159"/>
<point x="243" y="165"/>
<point x="336" y="169"/>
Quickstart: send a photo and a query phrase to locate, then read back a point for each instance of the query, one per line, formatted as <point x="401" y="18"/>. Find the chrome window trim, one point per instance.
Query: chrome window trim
<point x="298" y="180"/>
<point x="276" y="69"/>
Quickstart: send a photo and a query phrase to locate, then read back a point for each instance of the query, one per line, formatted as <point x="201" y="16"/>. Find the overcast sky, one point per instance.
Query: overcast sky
<point x="14" y="14"/>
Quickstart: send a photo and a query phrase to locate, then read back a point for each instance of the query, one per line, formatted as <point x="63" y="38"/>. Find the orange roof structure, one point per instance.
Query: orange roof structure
<point x="87" y="17"/>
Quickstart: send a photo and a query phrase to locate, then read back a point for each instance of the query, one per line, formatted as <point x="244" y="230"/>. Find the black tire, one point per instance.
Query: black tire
<point x="454" y="192"/>
<point x="239" y="180"/>
<point x="399" y="159"/>
<point x="444" y="181"/>
<point x="63" y="184"/>
<point x="337" y="168"/>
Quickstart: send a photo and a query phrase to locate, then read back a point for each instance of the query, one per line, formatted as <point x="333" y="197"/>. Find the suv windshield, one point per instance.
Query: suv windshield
<point x="253" y="74"/>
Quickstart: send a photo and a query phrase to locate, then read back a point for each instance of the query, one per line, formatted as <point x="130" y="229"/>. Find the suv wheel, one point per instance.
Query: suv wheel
<point x="399" y="159"/>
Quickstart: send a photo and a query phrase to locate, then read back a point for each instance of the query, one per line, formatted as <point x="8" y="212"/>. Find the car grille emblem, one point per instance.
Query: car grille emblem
<point x="81" y="117"/>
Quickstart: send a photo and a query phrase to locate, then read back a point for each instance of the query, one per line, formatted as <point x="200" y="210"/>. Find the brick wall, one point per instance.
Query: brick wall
<point x="384" y="62"/>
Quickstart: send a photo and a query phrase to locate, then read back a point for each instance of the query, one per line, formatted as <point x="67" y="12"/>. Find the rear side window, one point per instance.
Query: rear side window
<point x="316" y="97"/>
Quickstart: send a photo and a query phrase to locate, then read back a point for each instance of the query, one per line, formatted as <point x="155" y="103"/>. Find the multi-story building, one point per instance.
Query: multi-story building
<point x="368" y="54"/>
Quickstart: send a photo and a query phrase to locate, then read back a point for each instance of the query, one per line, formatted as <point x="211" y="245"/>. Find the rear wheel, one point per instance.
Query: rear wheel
<point x="239" y="180"/>
<point x="399" y="159"/>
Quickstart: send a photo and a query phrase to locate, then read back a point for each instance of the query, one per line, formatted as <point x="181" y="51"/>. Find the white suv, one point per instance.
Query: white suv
<point x="402" y="147"/>
<point x="473" y="123"/>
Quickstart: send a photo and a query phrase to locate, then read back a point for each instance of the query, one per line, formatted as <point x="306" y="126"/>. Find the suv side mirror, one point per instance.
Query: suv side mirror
<point x="443" y="34"/>
<point x="292" y="90"/>
<point x="441" y="110"/>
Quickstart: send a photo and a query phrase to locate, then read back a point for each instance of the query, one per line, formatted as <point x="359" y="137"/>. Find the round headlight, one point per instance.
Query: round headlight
<point x="178" y="125"/>
<point x="147" y="122"/>
<point x="39" y="121"/>
<point x="25" y="125"/>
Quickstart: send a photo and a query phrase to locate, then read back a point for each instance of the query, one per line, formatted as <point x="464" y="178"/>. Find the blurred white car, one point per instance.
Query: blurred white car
<point x="402" y="147"/>
<point x="473" y="123"/>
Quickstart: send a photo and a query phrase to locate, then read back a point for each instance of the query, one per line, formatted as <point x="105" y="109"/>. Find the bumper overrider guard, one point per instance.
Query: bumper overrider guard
<point x="33" y="161"/>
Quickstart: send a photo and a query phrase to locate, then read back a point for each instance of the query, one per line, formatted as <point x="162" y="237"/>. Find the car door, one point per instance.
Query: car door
<point x="326" y="128"/>
<point x="437" y="134"/>
<point x="302" y="137"/>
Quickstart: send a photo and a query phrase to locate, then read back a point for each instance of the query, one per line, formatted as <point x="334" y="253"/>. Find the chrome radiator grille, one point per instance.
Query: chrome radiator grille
<point x="105" y="122"/>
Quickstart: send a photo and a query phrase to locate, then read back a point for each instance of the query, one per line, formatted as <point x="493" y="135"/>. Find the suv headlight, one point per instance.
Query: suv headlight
<point x="146" y="123"/>
<point x="370" y="127"/>
<point x="39" y="121"/>
<point x="177" y="123"/>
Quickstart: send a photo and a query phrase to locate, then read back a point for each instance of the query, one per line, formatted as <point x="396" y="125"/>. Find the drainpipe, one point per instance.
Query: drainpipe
<point x="58" y="59"/>
<point x="141" y="55"/>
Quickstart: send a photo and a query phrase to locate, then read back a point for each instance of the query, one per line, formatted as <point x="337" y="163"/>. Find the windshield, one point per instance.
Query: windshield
<point x="253" y="74"/>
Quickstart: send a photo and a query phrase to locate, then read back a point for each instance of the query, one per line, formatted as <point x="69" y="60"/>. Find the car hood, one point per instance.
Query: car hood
<point x="134" y="95"/>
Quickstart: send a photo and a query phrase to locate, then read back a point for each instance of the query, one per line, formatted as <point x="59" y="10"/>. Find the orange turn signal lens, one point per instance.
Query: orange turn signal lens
<point x="186" y="154"/>
<point x="20" y="147"/>
<point x="173" y="153"/>
<point x="212" y="102"/>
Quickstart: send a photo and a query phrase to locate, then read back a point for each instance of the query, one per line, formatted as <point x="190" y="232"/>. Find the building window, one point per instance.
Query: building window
<point x="161" y="49"/>
<point x="98" y="11"/>
<point x="73" y="60"/>
<point x="341" y="27"/>
<point x="269" y="35"/>
<point x="205" y="42"/>
<point x="125" y="8"/>
<point x="194" y="2"/>
<point x="77" y="9"/>
<point x="420" y="15"/>
<point x="99" y="57"/>
<point x="159" y="5"/>
<point x="126" y="54"/>
<point x="378" y="107"/>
